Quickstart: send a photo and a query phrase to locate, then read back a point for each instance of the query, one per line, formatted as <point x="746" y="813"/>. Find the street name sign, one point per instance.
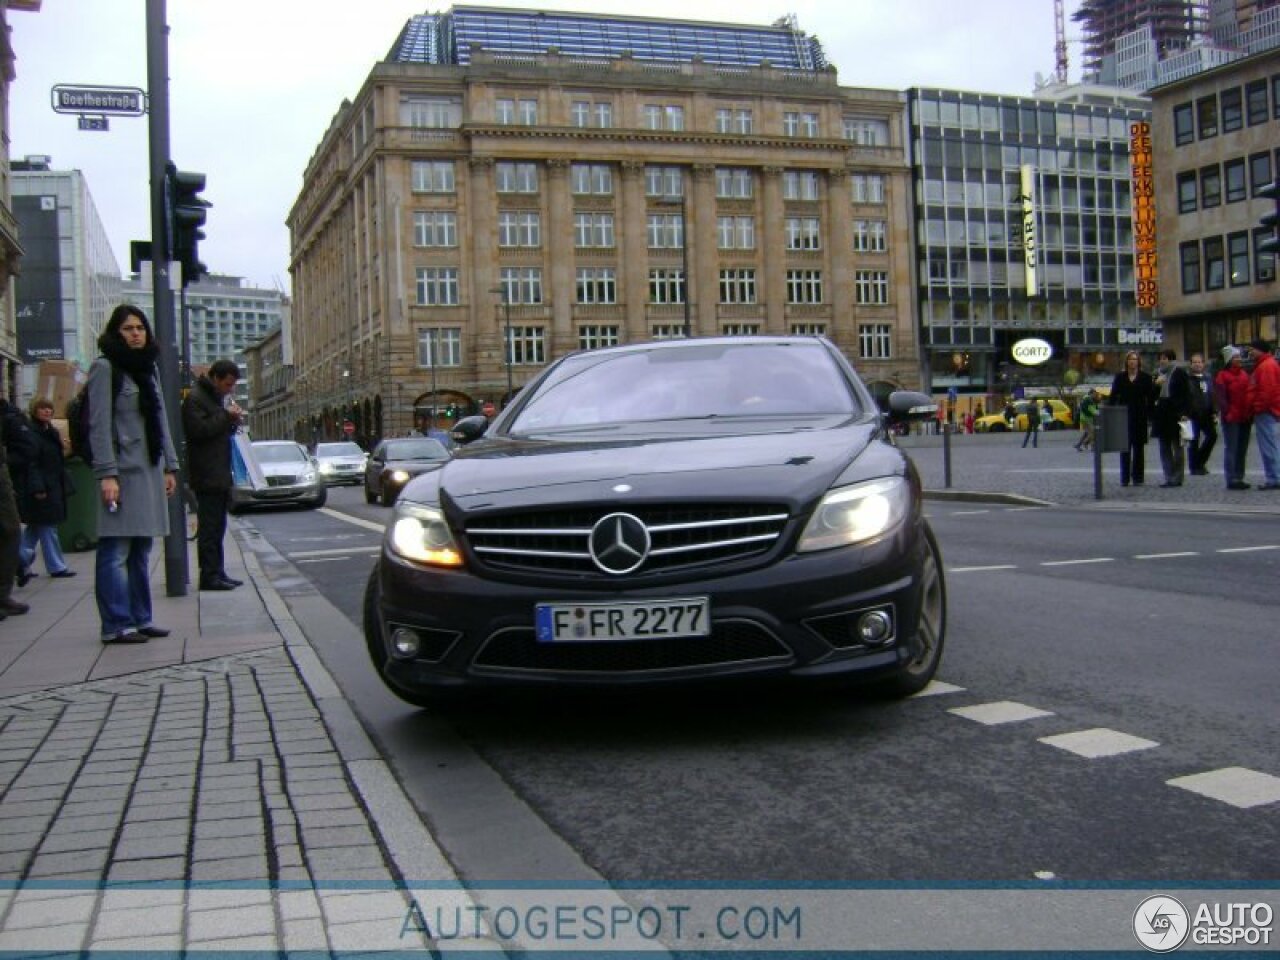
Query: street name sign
<point x="118" y="101"/>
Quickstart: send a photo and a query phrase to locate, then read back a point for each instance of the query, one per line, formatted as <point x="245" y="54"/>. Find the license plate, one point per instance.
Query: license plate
<point x="645" y="620"/>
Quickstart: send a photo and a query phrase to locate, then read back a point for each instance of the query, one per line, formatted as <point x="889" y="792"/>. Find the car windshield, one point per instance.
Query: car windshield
<point x="423" y="449"/>
<point x="692" y="381"/>
<point x="278" y="453"/>
<point x="338" y="450"/>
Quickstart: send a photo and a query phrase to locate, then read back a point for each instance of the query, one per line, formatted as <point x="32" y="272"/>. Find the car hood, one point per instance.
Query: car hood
<point x="414" y="466"/>
<point x="292" y="469"/>
<point x="343" y="460"/>
<point x="796" y="466"/>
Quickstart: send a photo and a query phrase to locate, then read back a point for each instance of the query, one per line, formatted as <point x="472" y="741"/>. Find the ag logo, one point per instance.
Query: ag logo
<point x="1161" y="924"/>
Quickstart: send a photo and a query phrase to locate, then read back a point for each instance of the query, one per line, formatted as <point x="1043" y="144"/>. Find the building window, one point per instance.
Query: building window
<point x="432" y="176"/>
<point x="808" y="329"/>
<point x="804" y="286"/>
<point x="796" y="124"/>
<point x="1183" y="125"/>
<point x="597" y="285"/>
<point x="1232" y="110"/>
<point x="591" y="113"/>
<point x="516" y="177"/>
<point x="526" y="345"/>
<point x="1255" y="100"/>
<point x="430" y="112"/>
<point x="871" y="286"/>
<point x="1214" y="266"/>
<point x="804" y="233"/>
<point x="522" y="112"/>
<point x="1189" y="256"/>
<point x="437" y="286"/>
<point x="669" y="331"/>
<point x="1210" y="187"/>
<point x="658" y="116"/>
<point x="738" y="286"/>
<point x="867" y="132"/>
<point x="664" y="181"/>
<point x="1187" y="192"/>
<point x="870" y="236"/>
<point x="741" y="330"/>
<point x="1207" y="117"/>
<point x="733" y="120"/>
<point x="867" y="187"/>
<point x="593" y="229"/>
<point x="592" y="179"/>
<point x="519" y="228"/>
<point x="1233" y="172"/>
<point x="736" y="233"/>
<point x="440" y="347"/>
<point x="875" y="341"/>
<point x="435" y="228"/>
<point x="1264" y="264"/>
<point x="1238" y="258"/>
<point x="1275" y="96"/>
<point x="666" y="231"/>
<point x="666" y="285"/>
<point x="733" y="183"/>
<point x="1259" y="172"/>
<point x="521" y="284"/>
<point x="799" y="185"/>
<point x="593" y="337"/>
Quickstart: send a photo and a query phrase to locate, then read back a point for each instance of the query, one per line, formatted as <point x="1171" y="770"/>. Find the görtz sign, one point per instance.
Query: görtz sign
<point x="1032" y="351"/>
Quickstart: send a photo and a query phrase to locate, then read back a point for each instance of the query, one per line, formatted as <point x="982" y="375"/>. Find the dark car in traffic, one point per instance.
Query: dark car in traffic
<point x="682" y="510"/>
<point x="394" y="463"/>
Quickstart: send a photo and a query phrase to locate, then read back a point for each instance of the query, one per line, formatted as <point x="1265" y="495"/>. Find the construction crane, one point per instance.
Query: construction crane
<point x="1060" y="40"/>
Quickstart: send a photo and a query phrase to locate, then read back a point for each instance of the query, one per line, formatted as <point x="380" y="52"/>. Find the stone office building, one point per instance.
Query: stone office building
<point x="501" y="192"/>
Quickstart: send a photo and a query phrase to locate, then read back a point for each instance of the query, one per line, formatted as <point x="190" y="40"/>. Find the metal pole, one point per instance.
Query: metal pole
<point x="946" y="455"/>
<point x="175" y="542"/>
<point x="435" y="343"/>
<point x="684" y="254"/>
<point x="506" y="307"/>
<point x="1098" y="431"/>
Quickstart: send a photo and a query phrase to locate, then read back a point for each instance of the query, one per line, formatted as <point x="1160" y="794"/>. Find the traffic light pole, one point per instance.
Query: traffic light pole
<point x="162" y="317"/>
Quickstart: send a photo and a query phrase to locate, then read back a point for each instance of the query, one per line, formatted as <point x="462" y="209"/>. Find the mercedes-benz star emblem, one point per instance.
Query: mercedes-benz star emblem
<point x="619" y="543"/>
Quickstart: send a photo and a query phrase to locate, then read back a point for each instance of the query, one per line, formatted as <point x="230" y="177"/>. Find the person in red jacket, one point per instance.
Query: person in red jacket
<point x="1231" y="387"/>
<point x="1264" y="399"/>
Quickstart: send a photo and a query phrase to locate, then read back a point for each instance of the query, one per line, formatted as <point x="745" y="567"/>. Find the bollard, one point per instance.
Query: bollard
<point x="1099" y="428"/>
<point x="946" y="456"/>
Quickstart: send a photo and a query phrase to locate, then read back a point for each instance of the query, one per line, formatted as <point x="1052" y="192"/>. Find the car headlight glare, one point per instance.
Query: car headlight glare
<point x="856" y="514"/>
<point x="400" y="476"/>
<point x="420" y="534"/>
<point x="308" y="476"/>
<point x="326" y="468"/>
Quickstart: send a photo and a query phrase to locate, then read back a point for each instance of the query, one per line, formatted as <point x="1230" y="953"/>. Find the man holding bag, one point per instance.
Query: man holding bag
<point x="210" y="418"/>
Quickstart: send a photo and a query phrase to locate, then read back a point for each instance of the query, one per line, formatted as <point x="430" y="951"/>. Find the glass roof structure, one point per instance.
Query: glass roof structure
<point x="447" y="38"/>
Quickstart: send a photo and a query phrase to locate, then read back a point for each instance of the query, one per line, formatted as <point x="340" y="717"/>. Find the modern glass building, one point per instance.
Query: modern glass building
<point x="968" y="151"/>
<point x="448" y="38"/>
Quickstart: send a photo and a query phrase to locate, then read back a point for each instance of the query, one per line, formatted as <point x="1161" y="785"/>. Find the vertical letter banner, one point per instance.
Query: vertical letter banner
<point x="1029" y="228"/>
<point x="1144" y="215"/>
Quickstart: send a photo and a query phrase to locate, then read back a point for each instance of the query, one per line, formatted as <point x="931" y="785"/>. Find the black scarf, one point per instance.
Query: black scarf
<point x="140" y="365"/>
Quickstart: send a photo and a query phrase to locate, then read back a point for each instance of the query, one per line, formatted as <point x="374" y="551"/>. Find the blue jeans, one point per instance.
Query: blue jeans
<point x="1264" y="432"/>
<point x="46" y="536"/>
<point x="123" y="584"/>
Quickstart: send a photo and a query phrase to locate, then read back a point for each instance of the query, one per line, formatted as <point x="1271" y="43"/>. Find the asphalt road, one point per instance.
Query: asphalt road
<point x="1147" y="638"/>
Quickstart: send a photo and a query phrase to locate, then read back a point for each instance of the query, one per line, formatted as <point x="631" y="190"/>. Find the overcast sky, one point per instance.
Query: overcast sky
<point x="255" y="83"/>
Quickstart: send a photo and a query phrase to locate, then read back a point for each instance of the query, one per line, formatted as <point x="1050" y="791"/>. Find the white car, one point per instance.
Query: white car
<point x="292" y="478"/>
<point x="342" y="462"/>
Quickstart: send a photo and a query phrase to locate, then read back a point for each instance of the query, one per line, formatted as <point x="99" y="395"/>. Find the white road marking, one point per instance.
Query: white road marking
<point x="1002" y="711"/>
<point x="1004" y="566"/>
<point x="1237" y="786"/>
<point x="1269" y="546"/>
<point x="337" y="551"/>
<point x="358" y="521"/>
<point x="1098" y="742"/>
<point x="937" y="688"/>
<point x="324" y="559"/>
<point x="1165" y="556"/>
<point x="968" y="513"/>
<point x="1071" y="563"/>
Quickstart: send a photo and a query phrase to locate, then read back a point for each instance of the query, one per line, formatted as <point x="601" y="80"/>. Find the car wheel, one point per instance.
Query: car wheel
<point x="931" y="627"/>
<point x="378" y="652"/>
<point x="369" y="495"/>
<point x="388" y="496"/>
<point x="235" y="509"/>
<point x="998" y="428"/>
<point x="320" y="500"/>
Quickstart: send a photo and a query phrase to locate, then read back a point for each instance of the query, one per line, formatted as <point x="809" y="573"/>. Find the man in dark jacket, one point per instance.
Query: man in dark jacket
<point x="1203" y="420"/>
<point x="209" y="420"/>
<point x="1173" y="405"/>
<point x="14" y="435"/>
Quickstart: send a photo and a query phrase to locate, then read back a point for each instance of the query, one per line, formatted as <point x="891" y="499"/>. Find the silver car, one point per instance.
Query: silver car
<point x="342" y="462"/>
<point x="292" y="478"/>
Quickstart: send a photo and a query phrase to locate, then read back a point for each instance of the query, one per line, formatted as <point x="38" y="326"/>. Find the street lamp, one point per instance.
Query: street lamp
<point x="682" y="201"/>
<point x="506" y="309"/>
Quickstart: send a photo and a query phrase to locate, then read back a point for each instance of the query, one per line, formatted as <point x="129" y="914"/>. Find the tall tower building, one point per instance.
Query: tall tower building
<point x="1167" y="26"/>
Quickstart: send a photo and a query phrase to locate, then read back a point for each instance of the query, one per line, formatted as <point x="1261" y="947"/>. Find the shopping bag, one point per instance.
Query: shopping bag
<point x="245" y="470"/>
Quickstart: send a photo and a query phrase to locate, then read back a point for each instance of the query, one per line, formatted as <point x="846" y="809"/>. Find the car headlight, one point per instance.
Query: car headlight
<point x="399" y="476"/>
<point x="856" y="514"/>
<point x="326" y="467"/>
<point x="308" y="476"/>
<point x="420" y="534"/>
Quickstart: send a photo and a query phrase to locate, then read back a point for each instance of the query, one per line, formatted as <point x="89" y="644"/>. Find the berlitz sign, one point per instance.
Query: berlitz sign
<point x="1032" y="351"/>
<point x="1141" y="337"/>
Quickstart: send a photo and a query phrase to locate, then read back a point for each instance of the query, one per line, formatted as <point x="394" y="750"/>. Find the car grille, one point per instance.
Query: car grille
<point x="281" y="481"/>
<point x="730" y="642"/>
<point x="683" y="537"/>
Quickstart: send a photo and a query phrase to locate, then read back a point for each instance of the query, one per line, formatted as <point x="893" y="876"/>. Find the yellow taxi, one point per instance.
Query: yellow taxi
<point x="996" y="423"/>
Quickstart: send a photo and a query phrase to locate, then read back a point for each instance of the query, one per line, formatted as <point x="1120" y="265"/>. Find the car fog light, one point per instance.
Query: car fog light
<point x="405" y="642"/>
<point x="875" y="627"/>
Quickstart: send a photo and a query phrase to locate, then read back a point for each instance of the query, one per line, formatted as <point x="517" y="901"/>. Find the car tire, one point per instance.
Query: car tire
<point x="378" y="652"/>
<point x="369" y="495"/>
<point x="998" y="428"/>
<point x="235" y="509"/>
<point x="321" y="500"/>
<point x="388" y="497"/>
<point x="930" y="629"/>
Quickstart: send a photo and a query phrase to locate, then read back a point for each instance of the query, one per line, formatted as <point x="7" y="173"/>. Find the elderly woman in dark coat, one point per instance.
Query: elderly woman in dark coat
<point x="42" y="496"/>
<point x="136" y="468"/>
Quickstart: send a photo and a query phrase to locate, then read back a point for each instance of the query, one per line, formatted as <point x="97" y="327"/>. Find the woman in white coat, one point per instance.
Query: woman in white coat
<point x="136" y="468"/>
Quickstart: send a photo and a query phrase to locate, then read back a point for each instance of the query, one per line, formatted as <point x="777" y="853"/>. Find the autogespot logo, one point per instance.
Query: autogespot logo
<point x="1161" y="923"/>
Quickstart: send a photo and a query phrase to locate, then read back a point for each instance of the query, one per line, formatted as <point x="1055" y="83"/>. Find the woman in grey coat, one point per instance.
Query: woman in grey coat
<point x="136" y="468"/>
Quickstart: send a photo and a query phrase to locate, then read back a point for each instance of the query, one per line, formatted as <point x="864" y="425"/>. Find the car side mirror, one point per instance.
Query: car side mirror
<point x="911" y="405"/>
<point x="468" y="429"/>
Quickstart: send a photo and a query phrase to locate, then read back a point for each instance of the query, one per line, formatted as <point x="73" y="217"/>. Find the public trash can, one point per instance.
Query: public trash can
<point x="1112" y="429"/>
<point x="80" y="530"/>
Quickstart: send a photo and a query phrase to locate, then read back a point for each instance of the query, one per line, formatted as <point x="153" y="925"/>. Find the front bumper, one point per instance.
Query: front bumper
<point x="302" y="493"/>
<point x="795" y="617"/>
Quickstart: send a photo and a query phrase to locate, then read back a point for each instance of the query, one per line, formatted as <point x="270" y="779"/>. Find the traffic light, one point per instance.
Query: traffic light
<point x="186" y="217"/>
<point x="1271" y="221"/>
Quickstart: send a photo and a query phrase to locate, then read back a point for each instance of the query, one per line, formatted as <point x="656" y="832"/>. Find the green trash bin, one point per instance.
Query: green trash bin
<point x="80" y="530"/>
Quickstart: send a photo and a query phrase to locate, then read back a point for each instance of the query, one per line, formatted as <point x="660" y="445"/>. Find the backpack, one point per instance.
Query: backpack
<point x="78" y="418"/>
